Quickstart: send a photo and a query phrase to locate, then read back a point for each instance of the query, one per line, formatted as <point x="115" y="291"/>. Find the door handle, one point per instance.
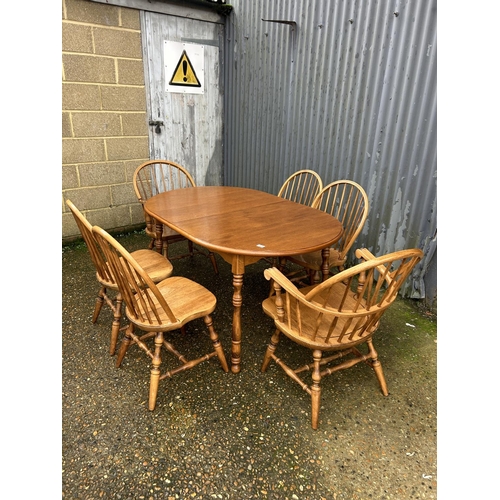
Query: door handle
<point x="157" y="124"/>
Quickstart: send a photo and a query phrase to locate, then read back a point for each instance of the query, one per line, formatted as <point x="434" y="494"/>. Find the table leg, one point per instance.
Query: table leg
<point x="236" y="333"/>
<point x="238" y="263"/>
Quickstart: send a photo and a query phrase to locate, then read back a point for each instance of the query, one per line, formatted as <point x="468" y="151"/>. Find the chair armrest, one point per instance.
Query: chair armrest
<point x="366" y="255"/>
<point x="282" y="282"/>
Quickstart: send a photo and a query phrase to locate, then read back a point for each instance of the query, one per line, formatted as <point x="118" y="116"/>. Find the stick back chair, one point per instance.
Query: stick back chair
<point x="157" y="309"/>
<point x="348" y="202"/>
<point x="302" y="187"/>
<point x="156" y="265"/>
<point x="157" y="176"/>
<point x="336" y="317"/>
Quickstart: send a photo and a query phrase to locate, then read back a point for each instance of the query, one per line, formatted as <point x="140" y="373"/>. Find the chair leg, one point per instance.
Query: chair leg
<point x="214" y="262"/>
<point x="124" y="345"/>
<point x="315" y="389"/>
<point x="98" y="303"/>
<point x="270" y="350"/>
<point x="281" y="264"/>
<point x="315" y="277"/>
<point x="155" y="371"/>
<point x="377" y="368"/>
<point x="217" y="345"/>
<point x="116" y="324"/>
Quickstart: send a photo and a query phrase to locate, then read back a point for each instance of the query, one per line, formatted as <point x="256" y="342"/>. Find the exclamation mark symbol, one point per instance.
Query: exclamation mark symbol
<point x="185" y="69"/>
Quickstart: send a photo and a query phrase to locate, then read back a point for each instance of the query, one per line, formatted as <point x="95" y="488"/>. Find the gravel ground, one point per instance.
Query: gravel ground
<point x="220" y="435"/>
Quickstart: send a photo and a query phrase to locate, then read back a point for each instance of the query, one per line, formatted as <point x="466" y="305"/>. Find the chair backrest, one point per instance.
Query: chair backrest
<point x="157" y="176"/>
<point x="143" y="299"/>
<point x="347" y="306"/>
<point x="302" y="187"/>
<point x="102" y="268"/>
<point x="347" y="201"/>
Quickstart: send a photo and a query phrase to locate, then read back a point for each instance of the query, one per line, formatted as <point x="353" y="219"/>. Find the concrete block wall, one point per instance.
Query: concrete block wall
<point x="104" y="122"/>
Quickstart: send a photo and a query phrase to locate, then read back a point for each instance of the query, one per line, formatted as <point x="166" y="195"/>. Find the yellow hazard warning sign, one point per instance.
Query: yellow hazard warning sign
<point x="184" y="73"/>
<point x="184" y="67"/>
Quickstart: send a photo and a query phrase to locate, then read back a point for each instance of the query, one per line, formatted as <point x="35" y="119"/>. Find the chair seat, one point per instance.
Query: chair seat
<point x="157" y="267"/>
<point x="187" y="300"/>
<point x="154" y="263"/>
<point x="314" y="260"/>
<point x="316" y="326"/>
<point x="168" y="233"/>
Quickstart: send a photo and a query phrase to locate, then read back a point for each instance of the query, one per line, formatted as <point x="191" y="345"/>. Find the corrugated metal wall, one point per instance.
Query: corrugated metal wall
<point x="346" y="88"/>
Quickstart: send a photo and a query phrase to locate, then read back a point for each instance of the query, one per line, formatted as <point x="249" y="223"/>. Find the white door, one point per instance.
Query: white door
<point x="184" y="88"/>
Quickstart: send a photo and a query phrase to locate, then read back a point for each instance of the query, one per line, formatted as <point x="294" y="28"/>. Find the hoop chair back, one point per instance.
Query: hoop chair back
<point x="347" y="201"/>
<point x="347" y="306"/>
<point x="157" y="176"/>
<point x="302" y="187"/>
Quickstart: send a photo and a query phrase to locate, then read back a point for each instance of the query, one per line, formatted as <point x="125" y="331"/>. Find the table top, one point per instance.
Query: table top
<point x="241" y="221"/>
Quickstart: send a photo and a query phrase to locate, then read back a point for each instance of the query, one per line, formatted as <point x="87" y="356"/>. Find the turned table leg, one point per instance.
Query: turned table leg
<point x="238" y="263"/>
<point x="236" y="333"/>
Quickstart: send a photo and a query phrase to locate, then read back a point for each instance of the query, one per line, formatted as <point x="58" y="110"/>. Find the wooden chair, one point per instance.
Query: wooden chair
<point x="336" y="316"/>
<point x="302" y="187"/>
<point x="157" y="309"/>
<point x="156" y="265"/>
<point x="157" y="176"/>
<point x="347" y="201"/>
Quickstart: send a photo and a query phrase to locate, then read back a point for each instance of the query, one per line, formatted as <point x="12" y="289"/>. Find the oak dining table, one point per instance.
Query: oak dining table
<point x="243" y="226"/>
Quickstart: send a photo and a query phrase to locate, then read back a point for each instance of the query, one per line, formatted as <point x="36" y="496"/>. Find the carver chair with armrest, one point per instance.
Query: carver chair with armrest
<point x="347" y="201"/>
<point x="157" y="309"/>
<point x="156" y="265"/>
<point x="336" y="316"/>
<point x="157" y="176"/>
